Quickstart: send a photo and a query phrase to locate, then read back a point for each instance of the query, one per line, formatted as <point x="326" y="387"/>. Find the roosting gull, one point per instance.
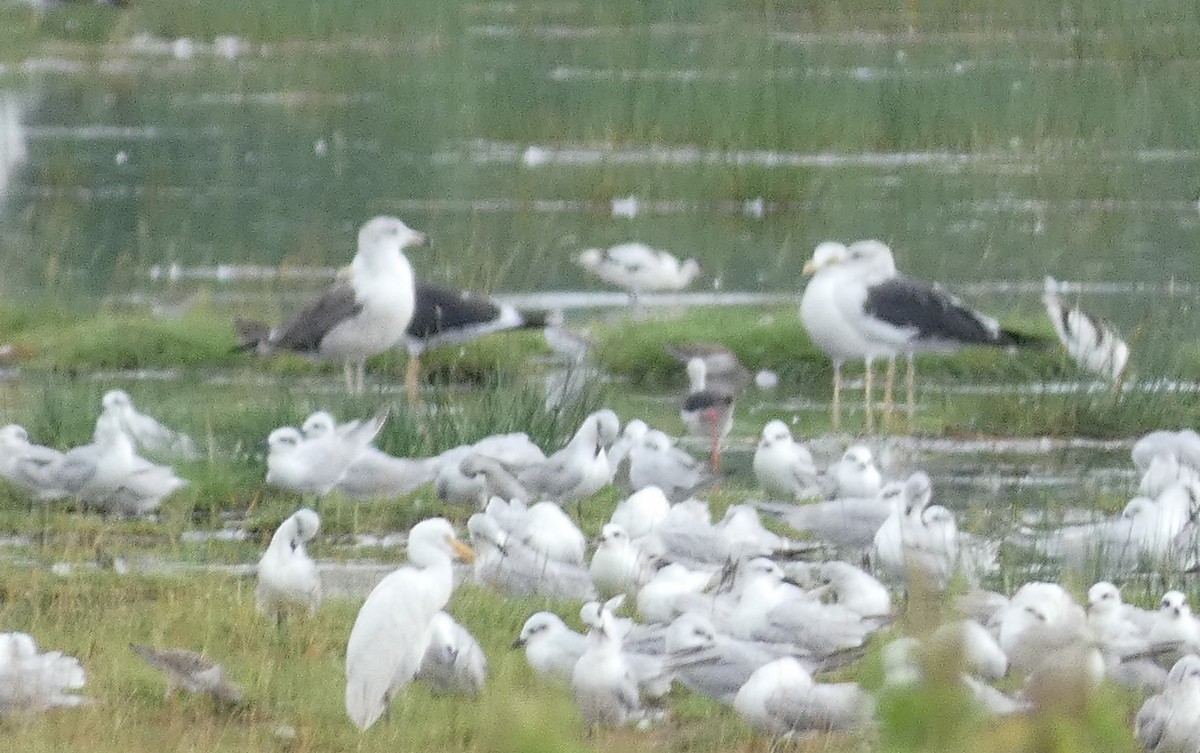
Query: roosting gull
<point x="637" y="268"/>
<point x="355" y="319"/>
<point x="444" y="316"/>
<point x="862" y="307"/>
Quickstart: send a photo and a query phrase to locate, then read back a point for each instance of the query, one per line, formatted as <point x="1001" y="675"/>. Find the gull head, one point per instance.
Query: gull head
<point x="918" y="490"/>
<point x="1103" y="597"/>
<point x="689" y="271"/>
<point x="871" y="255"/>
<point x="284" y="439"/>
<point x="613" y="535"/>
<point x="775" y="432"/>
<point x="825" y="254"/>
<point x="858" y="457"/>
<point x="608" y="426"/>
<point x="656" y="440"/>
<point x="318" y="424"/>
<point x="539" y="625"/>
<point x="13" y="436"/>
<point x="1174" y="605"/>
<point x="690" y="632"/>
<point x="385" y="234"/>
<point x="116" y="400"/>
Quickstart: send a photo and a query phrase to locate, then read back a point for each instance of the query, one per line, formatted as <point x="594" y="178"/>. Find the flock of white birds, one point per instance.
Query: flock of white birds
<point x="727" y="609"/>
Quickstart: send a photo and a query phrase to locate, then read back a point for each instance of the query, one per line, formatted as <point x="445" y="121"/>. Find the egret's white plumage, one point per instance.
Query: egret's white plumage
<point x="394" y="626"/>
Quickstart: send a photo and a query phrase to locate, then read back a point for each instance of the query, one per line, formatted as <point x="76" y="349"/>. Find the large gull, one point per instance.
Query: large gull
<point x="353" y="320"/>
<point x="445" y="316"/>
<point x="869" y="310"/>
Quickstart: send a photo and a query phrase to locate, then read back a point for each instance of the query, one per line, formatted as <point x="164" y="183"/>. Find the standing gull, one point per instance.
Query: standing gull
<point x="444" y="316"/>
<point x="358" y="318"/>
<point x="637" y="268"/>
<point x="881" y="313"/>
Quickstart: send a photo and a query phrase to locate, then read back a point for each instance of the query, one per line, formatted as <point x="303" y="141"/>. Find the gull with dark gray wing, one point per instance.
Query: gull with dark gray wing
<point x="445" y="316"/>
<point x="357" y="317"/>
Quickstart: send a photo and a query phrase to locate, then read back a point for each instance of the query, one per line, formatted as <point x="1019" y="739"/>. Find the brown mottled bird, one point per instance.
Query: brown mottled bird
<point x="188" y="670"/>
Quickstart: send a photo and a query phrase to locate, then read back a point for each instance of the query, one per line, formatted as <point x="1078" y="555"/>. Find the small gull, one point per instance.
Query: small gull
<point x="315" y="466"/>
<point x="1184" y="444"/>
<point x="580" y="469"/>
<point x="850" y="522"/>
<point x="1170" y="721"/>
<point x="454" y="661"/>
<point x="190" y="671"/>
<point x="148" y="434"/>
<point x="544" y="528"/>
<point x="770" y="609"/>
<point x="782" y="699"/>
<point x="287" y="576"/>
<point x="918" y="537"/>
<point x="784" y="467"/>
<point x="605" y="687"/>
<point x="661" y="599"/>
<point x="363" y="316"/>
<point x="657" y="461"/>
<point x="713" y="664"/>
<point x="855" y="474"/>
<point x="618" y="566"/>
<point x="551" y="648"/>
<point x="373" y="473"/>
<point x="637" y="268"/>
<point x="512" y="567"/>
<point x="31" y="681"/>
<point x="642" y="512"/>
<point x="1174" y="631"/>
<point x="394" y="626"/>
<point x="855" y="588"/>
<point x="26" y="464"/>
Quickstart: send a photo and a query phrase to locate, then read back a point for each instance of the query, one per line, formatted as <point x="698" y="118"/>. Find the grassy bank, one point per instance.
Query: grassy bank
<point x="974" y="392"/>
